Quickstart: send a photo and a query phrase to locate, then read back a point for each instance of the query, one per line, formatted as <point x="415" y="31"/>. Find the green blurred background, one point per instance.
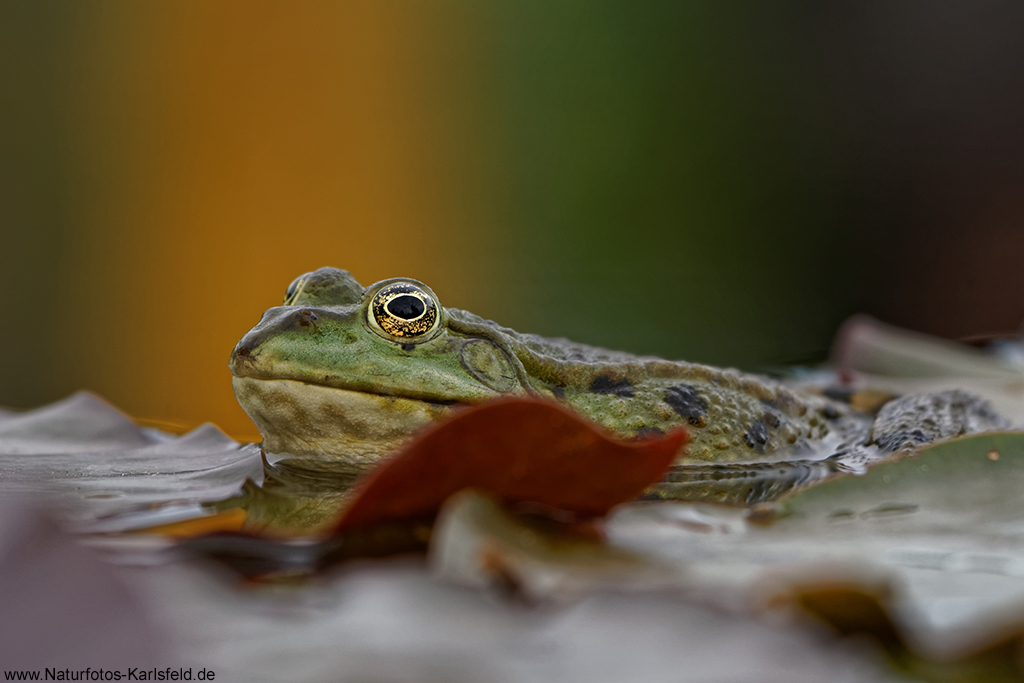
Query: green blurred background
<point x="721" y="182"/>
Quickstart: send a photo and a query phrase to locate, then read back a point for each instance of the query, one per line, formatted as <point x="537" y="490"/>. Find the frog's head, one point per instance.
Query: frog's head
<point x="346" y="371"/>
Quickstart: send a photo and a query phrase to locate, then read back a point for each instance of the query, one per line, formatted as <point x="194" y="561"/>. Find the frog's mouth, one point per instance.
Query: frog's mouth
<point x="300" y="418"/>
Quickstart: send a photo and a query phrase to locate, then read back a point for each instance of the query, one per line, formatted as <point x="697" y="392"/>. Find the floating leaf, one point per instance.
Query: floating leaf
<point x="955" y="485"/>
<point x="478" y="542"/>
<point x="880" y="357"/>
<point x="520" y="450"/>
<point x="108" y="475"/>
<point x="83" y="422"/>
<point x="865" y="610"/>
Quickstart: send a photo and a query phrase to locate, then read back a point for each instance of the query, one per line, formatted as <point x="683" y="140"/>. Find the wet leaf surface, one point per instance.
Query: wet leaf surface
<point x="394" y="622"/>
<point x="80" y="423"/>
<point x="533" y="559"/>
<point x="943" y="528"/>
<point x="863" y="611"/>
<point x="972" y="483"/>
<point x="109" y="475"/>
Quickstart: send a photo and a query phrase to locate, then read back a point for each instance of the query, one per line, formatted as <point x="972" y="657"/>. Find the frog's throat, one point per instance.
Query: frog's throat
<point x="326" y="422"/>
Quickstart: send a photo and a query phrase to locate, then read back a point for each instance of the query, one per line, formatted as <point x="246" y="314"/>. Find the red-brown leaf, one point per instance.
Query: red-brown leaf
<point x="520" y="450"/>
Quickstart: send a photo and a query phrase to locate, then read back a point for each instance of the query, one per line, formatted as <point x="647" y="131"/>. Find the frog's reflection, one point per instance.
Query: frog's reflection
<point x="302" y="496"/>
<point x="299" y="496"/>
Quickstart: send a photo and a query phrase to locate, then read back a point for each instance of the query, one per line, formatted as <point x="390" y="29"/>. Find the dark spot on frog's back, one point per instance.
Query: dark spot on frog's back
<point x="756" y="436"/>
<point x="688" y="404"/>
<point x="605" y="384"/>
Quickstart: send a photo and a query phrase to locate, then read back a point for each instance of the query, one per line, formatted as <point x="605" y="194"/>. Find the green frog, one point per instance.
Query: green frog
<point x="347" y="373"/>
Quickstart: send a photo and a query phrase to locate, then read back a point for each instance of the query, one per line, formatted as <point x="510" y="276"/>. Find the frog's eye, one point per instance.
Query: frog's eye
<point x="294" y="289"/>
<point x="403" y="311"/>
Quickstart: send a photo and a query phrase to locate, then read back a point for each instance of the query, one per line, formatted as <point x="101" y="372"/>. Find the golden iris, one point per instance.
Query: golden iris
<point x="403" y="310"/>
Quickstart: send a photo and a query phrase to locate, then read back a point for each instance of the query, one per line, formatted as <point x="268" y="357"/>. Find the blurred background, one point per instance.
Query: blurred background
<point x="720" y="182"/>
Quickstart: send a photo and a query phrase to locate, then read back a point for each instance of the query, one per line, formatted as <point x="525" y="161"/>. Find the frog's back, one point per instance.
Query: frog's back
<point x="731" y="416"/>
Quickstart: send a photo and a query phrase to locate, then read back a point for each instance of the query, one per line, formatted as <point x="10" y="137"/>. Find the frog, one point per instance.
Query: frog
<point x="345" y="373"/>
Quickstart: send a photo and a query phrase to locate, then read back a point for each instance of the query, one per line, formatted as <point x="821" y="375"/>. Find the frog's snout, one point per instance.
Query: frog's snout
<point x="244" y="354"/>
<point x="245" y="358"/>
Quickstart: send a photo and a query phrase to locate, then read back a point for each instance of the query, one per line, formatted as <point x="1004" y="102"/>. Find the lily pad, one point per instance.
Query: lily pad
<point x="81" y="423"/>
<point x="537" y="561"/>
<point x="943" y="526"/>
<point x="862" y="610"/>
<point x="97" y="465"/>
<point x="971" y="484"/>
<point x="876" y="356"/>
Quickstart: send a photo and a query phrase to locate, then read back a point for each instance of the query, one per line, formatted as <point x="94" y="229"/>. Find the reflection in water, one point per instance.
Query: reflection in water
<point x="746" y="484"/>
<point x="741" y="484"/>
<point x="304" y="496"/>
<point x="298" y="497"/>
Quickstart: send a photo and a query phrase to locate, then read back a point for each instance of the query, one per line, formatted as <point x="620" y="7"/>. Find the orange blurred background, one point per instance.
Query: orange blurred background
<point x="722" y="184"/>
<point x="215" y="151"/>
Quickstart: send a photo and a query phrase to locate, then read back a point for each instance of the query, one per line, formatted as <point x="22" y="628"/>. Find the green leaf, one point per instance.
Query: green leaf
<point x="963" y="486"/>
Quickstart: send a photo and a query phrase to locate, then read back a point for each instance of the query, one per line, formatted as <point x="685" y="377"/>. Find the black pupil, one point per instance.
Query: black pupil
<point x="406" y="307"/>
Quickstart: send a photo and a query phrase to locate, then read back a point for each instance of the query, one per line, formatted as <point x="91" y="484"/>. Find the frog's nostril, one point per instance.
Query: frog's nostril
<point x="244" y="355"/>
<point x="306" y="317"/>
